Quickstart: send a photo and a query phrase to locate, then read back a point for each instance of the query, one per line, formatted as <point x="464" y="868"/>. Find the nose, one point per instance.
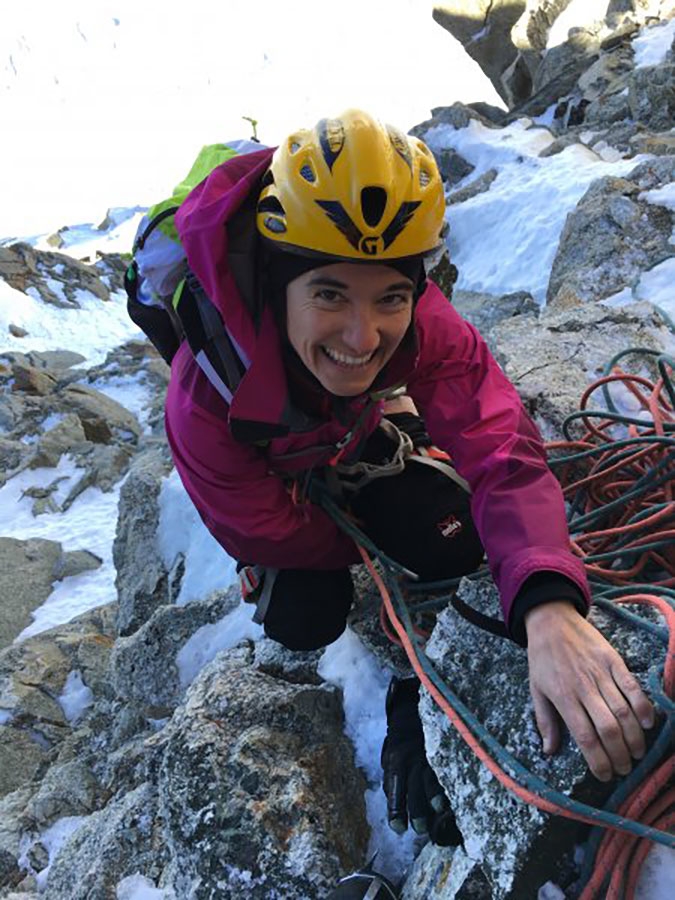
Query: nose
<point x="361" y="332"/>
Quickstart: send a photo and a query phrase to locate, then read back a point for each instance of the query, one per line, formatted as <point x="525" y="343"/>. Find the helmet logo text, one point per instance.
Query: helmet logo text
<point x="371" y="245"/>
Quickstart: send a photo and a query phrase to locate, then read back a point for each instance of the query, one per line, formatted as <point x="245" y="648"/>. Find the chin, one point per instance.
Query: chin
<point x="344" y="390"/>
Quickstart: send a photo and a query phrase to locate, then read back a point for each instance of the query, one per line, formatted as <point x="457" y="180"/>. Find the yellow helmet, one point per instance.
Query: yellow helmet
<point x="353" y="188"/>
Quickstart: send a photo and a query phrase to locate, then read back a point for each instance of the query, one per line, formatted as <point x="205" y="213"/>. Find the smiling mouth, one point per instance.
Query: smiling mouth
<point x="348" y="362"/>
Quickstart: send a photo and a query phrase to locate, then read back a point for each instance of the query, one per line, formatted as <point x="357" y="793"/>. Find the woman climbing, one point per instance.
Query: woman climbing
<point x="348" y="365"/>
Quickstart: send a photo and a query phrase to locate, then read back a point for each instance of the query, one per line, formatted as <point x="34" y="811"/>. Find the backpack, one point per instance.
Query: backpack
<point x="165" y="300"/>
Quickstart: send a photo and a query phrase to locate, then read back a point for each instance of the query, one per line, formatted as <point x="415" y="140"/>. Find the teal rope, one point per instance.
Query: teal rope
<point x="506" y="760"/>
<point x="631" y="618"/>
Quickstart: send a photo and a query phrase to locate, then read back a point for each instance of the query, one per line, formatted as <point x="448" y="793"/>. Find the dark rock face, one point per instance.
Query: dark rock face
<point x="551" y="358"/>
<point x="483" y="28"/>
<point x="607" y="110"/>
<point x="28" y="570"/>
<point x="144" y="665"/>
<point x="110" y="845"/>
<point x="651" y="96"/>
<point x="486" y="311"/>
<point x="509" y="40"/>
<point x="257" y="788"/>
<point x="612" y="235"/>
<point x="444" y="274"/>
<point x="473" y="188"/>
<point x="559" y="71"/>
<point x="452" y="166"/>
<point x="458" y="115"/>
<point x="98" y="433"/>
<point x="22" y="268"/>
<point x="142" y="581"/>
<point x="493" y="114"/>
<point x="102" y="418"/>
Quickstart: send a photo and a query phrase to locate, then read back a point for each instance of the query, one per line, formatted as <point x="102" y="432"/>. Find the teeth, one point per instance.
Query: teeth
<point x="345" y="360"/>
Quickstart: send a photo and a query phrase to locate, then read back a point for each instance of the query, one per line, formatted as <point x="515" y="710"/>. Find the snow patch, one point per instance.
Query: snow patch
<point x="52" y="420"/>
<point x="521" y="217"/>
<point x="651" y="46"/>
<point x="181" y="532"/>
<point x="350" y="666"/>
<point x="657" y="876"/>
<point x="91" y="330"/>
<point x="52" y="839"/>
<point x="138" y="887"/>
<point x="76" y="697"/>
<point x="89" y="524"/>
<point x="57" y="288"/>
<point x="210" y="639"/>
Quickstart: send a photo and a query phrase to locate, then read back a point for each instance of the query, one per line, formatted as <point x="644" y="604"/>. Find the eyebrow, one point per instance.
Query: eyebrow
<point x="333" y="282"/>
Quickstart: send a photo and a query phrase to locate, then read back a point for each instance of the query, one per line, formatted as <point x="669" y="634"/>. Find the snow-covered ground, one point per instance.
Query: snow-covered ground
<point x="518" y="220"/>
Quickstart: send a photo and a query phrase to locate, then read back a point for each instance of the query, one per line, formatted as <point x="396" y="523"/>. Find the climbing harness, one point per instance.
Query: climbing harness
<point x="355" y="476"/>
<point x="617" y="473"/>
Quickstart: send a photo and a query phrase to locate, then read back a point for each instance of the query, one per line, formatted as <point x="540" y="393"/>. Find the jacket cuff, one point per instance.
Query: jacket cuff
<point x="542" y="587"/>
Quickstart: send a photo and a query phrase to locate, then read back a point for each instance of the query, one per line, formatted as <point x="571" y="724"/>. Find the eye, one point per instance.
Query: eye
<point x="394" y="300"/>
<point x="327" y="294"/>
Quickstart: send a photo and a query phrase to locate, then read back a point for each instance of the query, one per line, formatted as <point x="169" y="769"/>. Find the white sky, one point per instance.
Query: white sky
<point x="107" y="103"/>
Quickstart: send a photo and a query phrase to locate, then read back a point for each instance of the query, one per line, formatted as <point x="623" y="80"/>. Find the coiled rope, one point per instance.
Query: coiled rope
<point x="617" y="478"/>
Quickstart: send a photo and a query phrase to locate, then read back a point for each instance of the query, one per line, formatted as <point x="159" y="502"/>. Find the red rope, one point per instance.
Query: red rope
<point x="605" y="479"/>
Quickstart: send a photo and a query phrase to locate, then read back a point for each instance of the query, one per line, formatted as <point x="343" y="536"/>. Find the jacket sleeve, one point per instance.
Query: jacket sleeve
<point x="474" y="413"/>
<point x="245" y="507"/>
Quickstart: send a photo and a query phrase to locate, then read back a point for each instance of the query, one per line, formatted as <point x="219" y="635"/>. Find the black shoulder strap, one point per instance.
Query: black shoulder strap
<point x="152" y="224"/>
<point x="486" y="623"/>
<point x="194" y="317"/>
<point x="211" y="345"/>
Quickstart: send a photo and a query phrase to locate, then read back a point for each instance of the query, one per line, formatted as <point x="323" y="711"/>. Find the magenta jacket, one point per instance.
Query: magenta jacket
<point x="233" y="456"/>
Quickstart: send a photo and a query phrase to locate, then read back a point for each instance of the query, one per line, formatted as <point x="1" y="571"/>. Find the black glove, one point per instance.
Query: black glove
<point x="410" y="784"/>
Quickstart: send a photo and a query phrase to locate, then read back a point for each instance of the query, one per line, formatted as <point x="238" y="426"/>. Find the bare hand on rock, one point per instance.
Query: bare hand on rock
<point x="577" y="675"/>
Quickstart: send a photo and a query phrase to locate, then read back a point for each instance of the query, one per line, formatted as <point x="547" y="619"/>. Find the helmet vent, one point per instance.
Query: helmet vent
<point x="276" y="226"/>
<point x="267" y="179"/>
<point x="294" y="146"/>
<point x="271" y="204"/>
<point x="425" y="177"/>
<point x="373" y="203"/>
<point x="308" y="173"/>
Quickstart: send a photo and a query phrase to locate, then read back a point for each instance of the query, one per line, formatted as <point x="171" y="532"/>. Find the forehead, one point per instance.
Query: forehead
<point x="352" y="275"/>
